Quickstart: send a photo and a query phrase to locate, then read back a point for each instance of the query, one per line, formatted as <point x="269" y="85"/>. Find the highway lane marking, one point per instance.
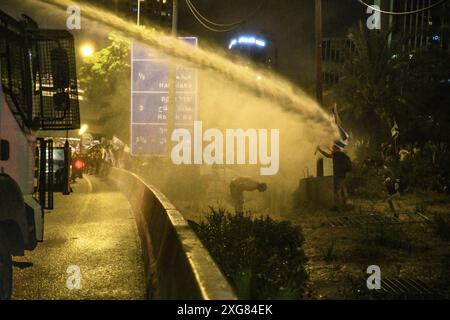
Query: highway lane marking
<point x="88" y="200"/>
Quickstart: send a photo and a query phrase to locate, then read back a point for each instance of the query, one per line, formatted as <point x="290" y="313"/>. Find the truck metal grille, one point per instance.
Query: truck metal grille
<point x="44" y="114"/>
<point x="26" y="75"/>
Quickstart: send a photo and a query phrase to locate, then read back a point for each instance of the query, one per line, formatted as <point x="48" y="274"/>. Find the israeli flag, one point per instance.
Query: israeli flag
<point x="343" y="142"/>
<point x="395" y="131"/>
<point x="344" y="136"/>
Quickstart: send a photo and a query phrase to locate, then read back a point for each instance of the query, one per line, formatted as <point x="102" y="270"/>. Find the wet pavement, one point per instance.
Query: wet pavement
<point x="91" y="230"/>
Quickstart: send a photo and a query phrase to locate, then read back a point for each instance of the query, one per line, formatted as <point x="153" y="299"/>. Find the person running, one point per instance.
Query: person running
<point x="393" y="192"/>
<point x="237" y="188"/>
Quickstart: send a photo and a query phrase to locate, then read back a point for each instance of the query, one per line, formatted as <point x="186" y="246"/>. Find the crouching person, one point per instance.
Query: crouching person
<point x="237" y="188"/>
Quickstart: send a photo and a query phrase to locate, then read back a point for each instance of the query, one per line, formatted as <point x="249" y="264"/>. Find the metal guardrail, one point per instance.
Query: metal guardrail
<point x="177" y="265"/>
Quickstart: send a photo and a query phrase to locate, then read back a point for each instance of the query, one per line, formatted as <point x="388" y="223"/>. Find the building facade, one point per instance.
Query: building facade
<point x="334" y="51"/>
<point x="256" y="48"/>
<point x="417" y="31"/>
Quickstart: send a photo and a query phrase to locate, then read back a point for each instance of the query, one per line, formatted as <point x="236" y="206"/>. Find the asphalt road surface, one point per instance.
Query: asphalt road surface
<point x="92" y="231"/>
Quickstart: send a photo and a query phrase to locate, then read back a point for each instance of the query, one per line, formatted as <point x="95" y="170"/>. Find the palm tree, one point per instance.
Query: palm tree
<point x="368" y="90"/>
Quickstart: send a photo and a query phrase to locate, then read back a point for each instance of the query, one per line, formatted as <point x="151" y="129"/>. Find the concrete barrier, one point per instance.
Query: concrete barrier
<point x="177" y="265"/>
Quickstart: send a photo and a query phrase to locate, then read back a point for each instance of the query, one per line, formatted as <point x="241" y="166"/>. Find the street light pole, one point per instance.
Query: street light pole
<point x="318" y="37"/>
<point x="171" y="106"/>
<point x="139" y="12"/>
<point x="175" y="18"/>
<point x="116" y="7"/>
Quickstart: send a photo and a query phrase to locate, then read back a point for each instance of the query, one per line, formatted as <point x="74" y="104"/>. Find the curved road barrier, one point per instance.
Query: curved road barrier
<point x="177" y="265"/>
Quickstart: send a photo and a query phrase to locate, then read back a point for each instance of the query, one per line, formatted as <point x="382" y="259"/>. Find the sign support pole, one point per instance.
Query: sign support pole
<point x="171" y="107"/>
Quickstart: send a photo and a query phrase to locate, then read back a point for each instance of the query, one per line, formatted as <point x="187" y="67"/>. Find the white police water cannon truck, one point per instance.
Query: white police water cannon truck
<point x="38" y="92"/>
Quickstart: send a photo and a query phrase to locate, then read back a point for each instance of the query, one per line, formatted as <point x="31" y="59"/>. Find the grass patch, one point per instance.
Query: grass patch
<point x="329" y="252"/>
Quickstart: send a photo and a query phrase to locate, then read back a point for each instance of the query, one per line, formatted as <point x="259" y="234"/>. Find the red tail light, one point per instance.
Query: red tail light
<point x="78" y="164"/>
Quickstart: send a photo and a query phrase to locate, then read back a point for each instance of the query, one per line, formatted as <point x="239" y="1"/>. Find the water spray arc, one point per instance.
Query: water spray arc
<point x="272" y="88"/>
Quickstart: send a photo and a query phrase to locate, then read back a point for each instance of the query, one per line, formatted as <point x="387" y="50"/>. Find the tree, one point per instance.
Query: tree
<point x="381" y="82"/>
<point x="105" y="77"/>
<point x="368" y="90"/>
<point x="426" y="88"/>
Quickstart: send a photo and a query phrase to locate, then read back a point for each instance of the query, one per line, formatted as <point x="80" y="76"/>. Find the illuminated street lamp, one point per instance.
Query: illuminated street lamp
<point x="87" y="50"/>
<point x="83" y="129"/>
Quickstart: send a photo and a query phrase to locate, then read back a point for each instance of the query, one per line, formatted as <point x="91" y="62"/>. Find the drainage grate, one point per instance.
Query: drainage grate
<point x="374" y="218"/>
<point x="349" y="221"/>
<point x="406" y="288"/>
